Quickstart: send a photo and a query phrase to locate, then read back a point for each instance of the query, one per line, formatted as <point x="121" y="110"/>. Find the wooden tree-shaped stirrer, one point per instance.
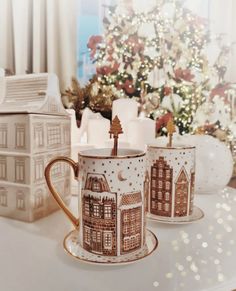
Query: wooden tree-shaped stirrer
<point x="170" y="129"/>
<point x="115" y="130"/>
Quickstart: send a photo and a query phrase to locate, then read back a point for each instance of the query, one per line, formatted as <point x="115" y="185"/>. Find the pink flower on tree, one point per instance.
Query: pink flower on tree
<point x="183" y="74"/>
<point x="94" y="40"/>
<point x="167" y="91"/>
<point x="127" y="86"/>
<point x="106" y="70"/>
<point x="135" y="43"/>
<point x="163" y="120"/>
<point x="220" y="90"/>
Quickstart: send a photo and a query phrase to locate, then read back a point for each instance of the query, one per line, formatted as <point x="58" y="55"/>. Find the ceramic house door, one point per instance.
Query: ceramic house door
<point x="97" y="241"/>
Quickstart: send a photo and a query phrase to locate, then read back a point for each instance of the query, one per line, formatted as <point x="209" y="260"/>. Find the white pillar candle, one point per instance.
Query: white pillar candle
<point x="126" y="110"/>
<point x="75" y="132"/>
<point x="98" y="131"/>
<point x="75" y="149"/>
<point x="141" y="132"/>
<point x="121" y="144"/>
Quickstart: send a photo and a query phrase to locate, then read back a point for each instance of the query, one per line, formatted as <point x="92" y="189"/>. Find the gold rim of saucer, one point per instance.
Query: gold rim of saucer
<point x="83" y="154"/>
<point x="182" y="220"/>
<point x="149" y="233"/>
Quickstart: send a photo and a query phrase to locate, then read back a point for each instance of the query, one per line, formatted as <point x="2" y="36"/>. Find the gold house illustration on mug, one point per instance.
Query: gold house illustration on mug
<point x="34" y="128"/>
<point x="170" y="196"/>
<point x="103" y="214"/>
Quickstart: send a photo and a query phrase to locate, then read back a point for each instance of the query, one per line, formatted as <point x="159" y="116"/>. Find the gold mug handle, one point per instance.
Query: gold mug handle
<point x="56" y="196"/>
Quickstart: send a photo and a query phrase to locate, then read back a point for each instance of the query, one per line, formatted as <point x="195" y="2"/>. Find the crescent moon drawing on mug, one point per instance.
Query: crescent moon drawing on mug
<point x="120" y="177"/>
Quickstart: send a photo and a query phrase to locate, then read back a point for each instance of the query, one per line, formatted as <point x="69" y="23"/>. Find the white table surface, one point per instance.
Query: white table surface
<point x="199" y="256"/>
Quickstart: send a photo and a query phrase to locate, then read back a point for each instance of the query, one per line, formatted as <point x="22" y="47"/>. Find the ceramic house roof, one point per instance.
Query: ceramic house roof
<point x="32" y="93"/>
<point x="131" y="198"/>
<point x="97" y="178"/>
<point x="182" y="176"/>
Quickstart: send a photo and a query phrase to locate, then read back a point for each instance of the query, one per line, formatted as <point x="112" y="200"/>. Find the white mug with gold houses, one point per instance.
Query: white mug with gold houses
<point x="171" y="175"/>
<point x="111" y="226"/>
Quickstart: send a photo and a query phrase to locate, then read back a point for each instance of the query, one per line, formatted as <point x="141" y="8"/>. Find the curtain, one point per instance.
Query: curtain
<point x="39" y="36"/>
<point x="222" y="22"/>
<point x="222" y="19"/>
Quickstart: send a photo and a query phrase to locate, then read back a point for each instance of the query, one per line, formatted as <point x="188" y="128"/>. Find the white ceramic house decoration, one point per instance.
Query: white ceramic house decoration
<point x="34" y="128"/>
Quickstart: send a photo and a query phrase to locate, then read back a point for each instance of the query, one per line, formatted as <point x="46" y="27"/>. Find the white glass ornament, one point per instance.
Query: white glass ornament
<point x="214" y="163"/>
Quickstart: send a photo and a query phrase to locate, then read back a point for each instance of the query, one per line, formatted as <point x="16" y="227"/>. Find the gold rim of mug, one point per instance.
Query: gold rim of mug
<point x="171" y="148"/>
<point x="112" y="157"/>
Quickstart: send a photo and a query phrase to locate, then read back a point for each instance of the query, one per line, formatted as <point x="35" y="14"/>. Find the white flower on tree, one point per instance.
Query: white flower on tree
<point x="157" y="77"/>
<point x="172" y="103"/>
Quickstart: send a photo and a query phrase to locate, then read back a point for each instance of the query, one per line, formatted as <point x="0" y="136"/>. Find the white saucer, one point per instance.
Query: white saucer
<point x="73" y="248"/>
<point x="195" y="216"/>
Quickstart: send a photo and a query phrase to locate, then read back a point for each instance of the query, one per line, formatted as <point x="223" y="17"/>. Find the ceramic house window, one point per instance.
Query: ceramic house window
<point x="107" y="211"/>
<point x="96" y="211"/>
<point x="3" y="168"/>
<point x="67" y="187"/>
<point x="20" y="200"/>
<point x="126" y="229"/>
<point x="167" y="196"/>
<point x="159" y="195"/>
<point x="38" y="202"/>
<point x="160" y="165"/>
<point x="160" y="184"/>
<point x="167" y="174"/>
<point x="66" y="131"/>
<point x="66" y="166"/>
<point x="56" y="170"/>
<point x="132" y="216"/>
<point x="38" y="135"/>
<point x="54" y="134"/>
<point x="96" y="237"/>
<point x="3" y="196"/>
<point x="126" y="217"/>
<point x="87" y="235"/>
<point x="167" y="185"/>
<point x="167" y="207"/>
<point x="126" y="244"/>
<point x="20" y="171"/>
<point x="154" y="183"/>
<point x="153" y="204"/>
<point x="132" y="228"/>
<point x="53" y="107"/>
<point x="3" y="135"/>
<point x="107" y="240"/>
<point x="154" y="172"/>
<point x="153" y="194"/>
<point x="86" y="208"/>
<point x="20" y="136"/>
<point x="39" y="169"/>
<point x="159" y="206"/>
<point x="138" y="216"/>
<point x="160" y="173"/>
<point x="96" y="186"/>
<point x="132" y="242"/>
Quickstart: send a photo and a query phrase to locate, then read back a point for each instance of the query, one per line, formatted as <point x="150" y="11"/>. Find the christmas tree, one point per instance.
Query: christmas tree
<point x="159" y="58"/>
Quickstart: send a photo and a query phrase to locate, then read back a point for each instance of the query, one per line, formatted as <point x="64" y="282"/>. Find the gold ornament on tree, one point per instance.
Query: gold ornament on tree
<point x="115" y="130"/>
